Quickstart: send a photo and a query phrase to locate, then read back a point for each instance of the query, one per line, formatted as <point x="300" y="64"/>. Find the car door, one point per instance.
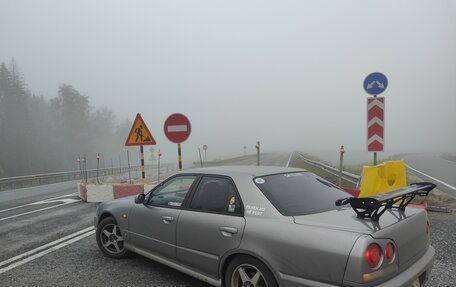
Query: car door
<point x="211" y="225"/>
<point x="152" y="225"/>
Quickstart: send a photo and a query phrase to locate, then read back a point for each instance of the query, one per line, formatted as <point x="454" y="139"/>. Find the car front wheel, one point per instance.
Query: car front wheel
<point x="246" y="271"/>
<point x="110" y="239"/>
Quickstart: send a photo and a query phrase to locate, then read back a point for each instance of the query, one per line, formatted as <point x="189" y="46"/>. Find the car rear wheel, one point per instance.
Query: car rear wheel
<point x="246" y="271"/>
<point x="110" y="239"/>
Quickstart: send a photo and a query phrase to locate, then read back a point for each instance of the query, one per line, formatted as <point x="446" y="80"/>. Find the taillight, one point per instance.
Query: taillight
<point x="374" y="255"/>
<point x="428" y="227"/>
<point x="390" y="252"/>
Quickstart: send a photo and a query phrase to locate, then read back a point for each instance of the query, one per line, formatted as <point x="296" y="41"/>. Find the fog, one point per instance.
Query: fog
<point x="286" y="73"/>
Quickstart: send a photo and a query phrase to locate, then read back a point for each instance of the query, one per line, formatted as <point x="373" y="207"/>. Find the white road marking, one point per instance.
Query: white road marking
<point x="450" y="161"/>
<point x="49" y="250"/>
<point x="289" y="159"/>
<point x="63" y="200"/>
<point x="20" y="256"/>
<point x="41" y="209"/>
<point x="38" y="202"/>
<point x="433" y="178"/>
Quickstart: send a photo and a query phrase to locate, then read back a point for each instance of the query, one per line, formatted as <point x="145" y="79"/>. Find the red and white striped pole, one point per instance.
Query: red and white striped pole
<point x="375" y="125"/>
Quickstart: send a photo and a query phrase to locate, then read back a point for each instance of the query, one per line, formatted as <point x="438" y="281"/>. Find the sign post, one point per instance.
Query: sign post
<point x="84" y="161"/>
<point x="98" y="166"/>
<point x="140" y="135"/>
<point x="159" y="156"/>
<point x="257" y="146"/>
<point x="201" y="160"/>
<point x="129" y="172"/>
<point x="78" y="160"/>
<point x="205" y="155"/>
<point x="375" y="84"/>
<point x="177" y="129"/>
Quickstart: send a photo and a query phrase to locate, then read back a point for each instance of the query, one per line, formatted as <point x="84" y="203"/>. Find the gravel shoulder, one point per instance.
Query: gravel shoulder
<point x="443" y="238"/>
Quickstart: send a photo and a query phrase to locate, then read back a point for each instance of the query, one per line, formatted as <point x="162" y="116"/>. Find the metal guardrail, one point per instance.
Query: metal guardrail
<point x="9" y="183"/>
<point x="347" y="176"/>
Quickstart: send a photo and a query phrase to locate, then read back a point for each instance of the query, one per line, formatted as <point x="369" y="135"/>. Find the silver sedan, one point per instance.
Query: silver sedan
<point x="271" y="226"/>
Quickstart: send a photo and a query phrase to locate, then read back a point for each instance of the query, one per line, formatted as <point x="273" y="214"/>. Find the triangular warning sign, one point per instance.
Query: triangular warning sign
<point x="140" y="134"/>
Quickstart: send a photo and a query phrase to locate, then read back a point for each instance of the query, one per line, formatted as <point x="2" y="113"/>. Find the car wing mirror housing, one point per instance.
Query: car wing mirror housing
<point x="139" y="199"/>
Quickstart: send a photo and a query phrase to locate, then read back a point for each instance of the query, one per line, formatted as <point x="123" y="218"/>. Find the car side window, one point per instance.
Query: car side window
<point x="216" y="194"/>
<point x="172" y="193"/>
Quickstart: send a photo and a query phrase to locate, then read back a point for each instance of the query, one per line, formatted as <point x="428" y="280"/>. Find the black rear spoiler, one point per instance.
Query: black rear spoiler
<point x="373" y="207"/>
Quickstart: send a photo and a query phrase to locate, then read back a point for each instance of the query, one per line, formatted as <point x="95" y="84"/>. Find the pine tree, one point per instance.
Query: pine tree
<point x="16" y="140"/>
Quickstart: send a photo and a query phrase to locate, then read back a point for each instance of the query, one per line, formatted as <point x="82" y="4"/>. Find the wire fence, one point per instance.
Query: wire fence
<point x="9" y="183"/>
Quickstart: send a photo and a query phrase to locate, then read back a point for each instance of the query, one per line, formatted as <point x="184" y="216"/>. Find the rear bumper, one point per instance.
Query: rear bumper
<point x="421" y="269"/>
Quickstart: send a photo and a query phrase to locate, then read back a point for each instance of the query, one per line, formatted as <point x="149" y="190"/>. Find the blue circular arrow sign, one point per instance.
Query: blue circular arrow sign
<point x="375" y="83"/>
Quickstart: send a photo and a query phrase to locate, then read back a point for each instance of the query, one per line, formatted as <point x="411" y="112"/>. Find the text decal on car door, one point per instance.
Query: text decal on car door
<point x="254" y="210"/>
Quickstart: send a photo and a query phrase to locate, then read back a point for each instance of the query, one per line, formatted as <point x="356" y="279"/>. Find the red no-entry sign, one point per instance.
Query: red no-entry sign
<point x="177" y="128"/>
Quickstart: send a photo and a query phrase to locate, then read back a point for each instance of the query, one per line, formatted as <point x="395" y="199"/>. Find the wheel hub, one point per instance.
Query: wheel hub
<point x="112" y="238"/>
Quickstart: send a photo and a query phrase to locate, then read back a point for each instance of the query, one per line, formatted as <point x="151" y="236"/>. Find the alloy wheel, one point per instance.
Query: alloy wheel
<point x="111" y="238"/>
<point x="247" y="275"/>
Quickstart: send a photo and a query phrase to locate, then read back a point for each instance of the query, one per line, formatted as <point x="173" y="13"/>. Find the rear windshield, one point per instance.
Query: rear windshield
<point x="299" y="193"/>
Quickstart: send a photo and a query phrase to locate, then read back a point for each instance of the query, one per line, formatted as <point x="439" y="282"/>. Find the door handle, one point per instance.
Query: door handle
<point x="167" y="219"/>
<point x="228" y="231"/>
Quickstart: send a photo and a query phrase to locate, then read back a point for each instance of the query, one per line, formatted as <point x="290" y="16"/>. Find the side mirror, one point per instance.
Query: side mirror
<point x="139" y="199"/>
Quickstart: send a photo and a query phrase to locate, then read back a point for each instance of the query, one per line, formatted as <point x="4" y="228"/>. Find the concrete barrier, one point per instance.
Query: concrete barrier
<point x="124" y="190"/>
<point x="82" y="191"/>
<point x="99" y="193"/>
<point x="107" y="192"/>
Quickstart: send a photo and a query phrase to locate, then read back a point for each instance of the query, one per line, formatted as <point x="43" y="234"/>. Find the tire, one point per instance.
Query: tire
<point x="250" y="272"/>
<point x="110" y="239"/>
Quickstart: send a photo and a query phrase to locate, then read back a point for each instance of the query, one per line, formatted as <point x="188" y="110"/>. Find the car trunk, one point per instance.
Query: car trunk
<point x="407" y="229"/>
<point x="410" y="237"/>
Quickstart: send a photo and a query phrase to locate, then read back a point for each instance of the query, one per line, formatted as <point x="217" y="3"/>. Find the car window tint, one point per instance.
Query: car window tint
<point x="172" y="193"/>
<point x="216" y="194"/>
<point x="299" y="193"/>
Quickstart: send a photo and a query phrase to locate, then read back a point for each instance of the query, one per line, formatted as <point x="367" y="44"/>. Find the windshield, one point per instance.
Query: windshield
<point x="299" y="193"/>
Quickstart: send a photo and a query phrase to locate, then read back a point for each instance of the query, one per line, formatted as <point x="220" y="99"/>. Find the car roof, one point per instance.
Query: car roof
<point x="251" y="170"/>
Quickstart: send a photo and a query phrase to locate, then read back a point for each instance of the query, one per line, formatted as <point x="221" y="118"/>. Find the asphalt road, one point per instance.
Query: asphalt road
<point x="52" y="243"/>
<point x="434" y="168"/>
<point x="47" y="240"/>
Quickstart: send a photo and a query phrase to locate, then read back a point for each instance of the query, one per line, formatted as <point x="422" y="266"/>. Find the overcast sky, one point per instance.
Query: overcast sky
<point x="287" y="73"/>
